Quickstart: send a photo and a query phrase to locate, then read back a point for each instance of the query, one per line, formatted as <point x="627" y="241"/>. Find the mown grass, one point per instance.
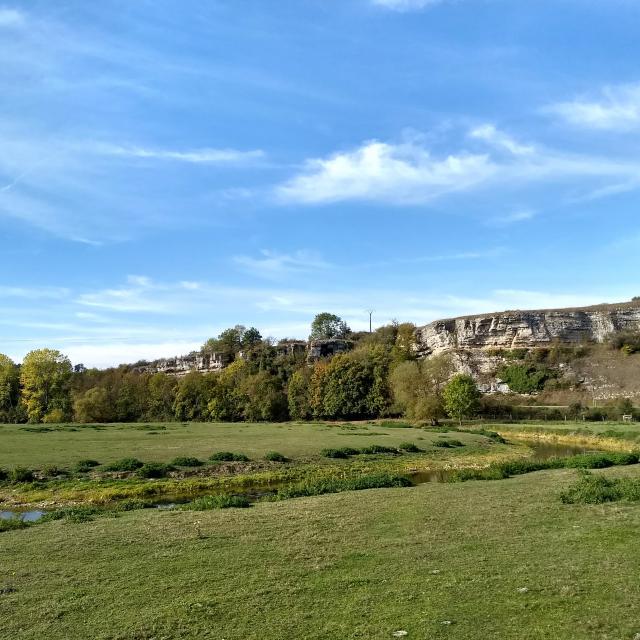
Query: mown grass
<point x="324" y="567"/>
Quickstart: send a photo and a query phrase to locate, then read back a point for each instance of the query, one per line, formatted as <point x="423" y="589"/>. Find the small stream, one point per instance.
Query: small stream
<point x="541" y="451"/>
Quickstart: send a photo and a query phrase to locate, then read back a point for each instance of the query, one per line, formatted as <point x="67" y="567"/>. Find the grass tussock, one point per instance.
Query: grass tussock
<point x="154" y="470"/>
<point x="186" y="461"/>
<point x="449" y="443"/>
<point x="338" y="485"/>
<point x="274" y="456"/>
<point x="11" y="524"/>
<point x="223" y="501"/>
<point x="124" y="464"/>
<point x="228" y="456"/>
<point x="84" y="466"/>
<point x="592" y="489"/>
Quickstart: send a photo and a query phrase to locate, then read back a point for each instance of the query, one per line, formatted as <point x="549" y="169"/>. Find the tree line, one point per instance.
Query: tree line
<point x="378" y="377"/>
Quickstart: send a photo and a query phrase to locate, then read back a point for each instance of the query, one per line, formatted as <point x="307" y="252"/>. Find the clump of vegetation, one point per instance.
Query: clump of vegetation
<point x="20" y="474"/>
<point x="224" y="501"/>
<point x="11" y="524"/>
<point x="84" y="466"/>
<point x="124" y="464"/>
<point x="52" y="471"/>
<point x="626" y="341"/>
<point x="492" y="435"/>
<point x="378" y="448"/>
<point x="409" y="447"/>
<point x="274" y="456"/>
<point x="526" y="378"/>
<point x="502" y="470"/>
<point x="448" y="443"/>
<point x="72" y="514"/>
<point x="392" y="424"/>
<point x="154" y="470"/>
<point x="597" y="489"/>
<point x="343" y="452"/>
<point x="4" y="474"/>
<point x="337" y="485"/>
<point x="228" y="456"/>
<point x="186" y="461"/>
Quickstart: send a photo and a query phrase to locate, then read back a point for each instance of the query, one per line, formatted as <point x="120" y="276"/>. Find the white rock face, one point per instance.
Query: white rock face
<point x="527" y="329"/>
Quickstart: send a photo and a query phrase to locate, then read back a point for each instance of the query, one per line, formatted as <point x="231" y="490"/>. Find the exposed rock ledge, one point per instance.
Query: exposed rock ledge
<point x="527" y="329"/>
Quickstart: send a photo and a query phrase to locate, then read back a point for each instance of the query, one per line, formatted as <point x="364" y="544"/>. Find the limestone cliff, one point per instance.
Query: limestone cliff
<point x="527" y="329"/>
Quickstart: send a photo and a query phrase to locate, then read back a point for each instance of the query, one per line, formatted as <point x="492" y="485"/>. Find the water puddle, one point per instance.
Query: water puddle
<point x="25" y="516"/>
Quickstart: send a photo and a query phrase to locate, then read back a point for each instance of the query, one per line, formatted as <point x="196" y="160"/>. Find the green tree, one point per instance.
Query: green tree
<point x="94" y="405"/>
<point x="461" y="397"/>
<point x="227" y="398"/>
<point x="193" y="395"/>
<point x="328" y="325"/>
<point x="9" y="388"/>
<point x="161" y="396"/>
<point x="298" y="394"/>
<point x="45" y="378"/>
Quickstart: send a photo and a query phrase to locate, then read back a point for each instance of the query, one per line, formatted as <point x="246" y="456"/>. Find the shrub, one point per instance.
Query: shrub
<point x="4" y="474"/>
<point x="84" y="466"/>
<point x="333" y="453"/>
<point x="592" y="489"/>
<point x="523" y="378"/>
<point x="224" y="501"/>
<point x="185" y="461"/>
<point x="274" y="456"/>
<point x="409" y="447"/>
<point x="21" y="474"/>
<point x="52" y="471"/>
<point x="130" y="504"/>
<point x="154" y="470"/>
<point x="492" y="435"/>
<point x="448" y="443"/>
<point x="378" y="448"/>
<point x="228" y="456"/>
<point x="125" y="464"/>
<point x="55" y="416"/>
<point x="10" y="524"/>
<point x="343" y="452"/>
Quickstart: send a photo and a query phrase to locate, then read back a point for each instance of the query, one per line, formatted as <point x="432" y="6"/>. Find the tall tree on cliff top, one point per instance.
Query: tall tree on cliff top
<point x="328" y="325"/>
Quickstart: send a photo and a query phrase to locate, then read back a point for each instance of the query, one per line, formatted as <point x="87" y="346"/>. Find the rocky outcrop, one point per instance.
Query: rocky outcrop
<point x="327" y="348"/>
<point x="181" y="365"/>
<point x="527" y="329"/>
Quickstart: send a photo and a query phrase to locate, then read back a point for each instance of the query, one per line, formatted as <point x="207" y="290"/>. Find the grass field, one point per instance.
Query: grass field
<point x="501" y="559"/>
<point x="31" y="446"/>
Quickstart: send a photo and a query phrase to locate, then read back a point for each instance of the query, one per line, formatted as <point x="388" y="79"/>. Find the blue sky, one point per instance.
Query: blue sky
<point x="168" y="169"/>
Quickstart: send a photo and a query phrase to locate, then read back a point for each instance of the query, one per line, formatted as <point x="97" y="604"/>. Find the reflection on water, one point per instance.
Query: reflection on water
<point x="25" y="516"/>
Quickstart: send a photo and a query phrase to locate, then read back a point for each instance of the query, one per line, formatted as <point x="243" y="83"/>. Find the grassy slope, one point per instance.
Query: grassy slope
<point x="110" y="442"/>
<point x="354" y="565"/>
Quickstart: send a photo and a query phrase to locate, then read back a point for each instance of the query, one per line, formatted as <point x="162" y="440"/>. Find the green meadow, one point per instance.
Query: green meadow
<point x="509" y="557"/>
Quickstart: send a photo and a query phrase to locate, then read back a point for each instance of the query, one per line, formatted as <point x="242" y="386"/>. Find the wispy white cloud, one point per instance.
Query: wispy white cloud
<point x="405" y="5"/>
<point x="194" y="156"/>
<point x="521" y="215"/>
<point x="274" y="265"/>
<point x="409" y="174"/>
<point x="488" y="133"/>
<point x="33" y="293"/>
<point x="400" y="173"/>
<point x="11" y="18"/>
<point x="616" y="108"/>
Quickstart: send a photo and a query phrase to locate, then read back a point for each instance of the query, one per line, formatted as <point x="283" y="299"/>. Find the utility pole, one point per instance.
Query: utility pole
<point x="370" y="312"/>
